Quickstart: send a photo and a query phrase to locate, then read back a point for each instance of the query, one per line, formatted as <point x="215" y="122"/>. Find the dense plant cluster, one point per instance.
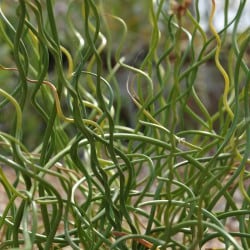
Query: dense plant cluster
<point x="124" y="124"/>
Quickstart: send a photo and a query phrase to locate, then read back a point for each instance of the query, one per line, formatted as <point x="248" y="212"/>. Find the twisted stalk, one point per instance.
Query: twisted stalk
<point x="218" y="64"/>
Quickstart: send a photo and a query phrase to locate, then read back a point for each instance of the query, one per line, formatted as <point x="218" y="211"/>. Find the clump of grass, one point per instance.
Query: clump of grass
<point x="86" y="178"/>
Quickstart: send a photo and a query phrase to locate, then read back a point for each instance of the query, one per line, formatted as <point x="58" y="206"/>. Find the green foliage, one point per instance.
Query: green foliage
<point x="108" y="125"/>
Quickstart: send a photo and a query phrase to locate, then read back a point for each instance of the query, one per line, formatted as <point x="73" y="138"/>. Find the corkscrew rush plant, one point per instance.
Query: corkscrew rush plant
<point x="124" y="125"/>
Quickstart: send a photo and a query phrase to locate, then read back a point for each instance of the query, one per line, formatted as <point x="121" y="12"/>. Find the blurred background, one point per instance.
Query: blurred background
<point x="209" y="81"/>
